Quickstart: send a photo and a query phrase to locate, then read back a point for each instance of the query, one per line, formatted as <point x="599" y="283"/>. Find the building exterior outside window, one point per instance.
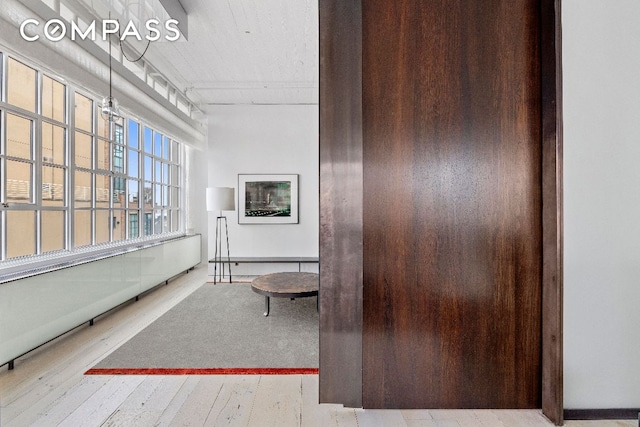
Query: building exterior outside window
<point x="71" y="180"/>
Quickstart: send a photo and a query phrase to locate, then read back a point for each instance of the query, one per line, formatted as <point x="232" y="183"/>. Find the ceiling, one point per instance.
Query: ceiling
<point x="244" y="52"/>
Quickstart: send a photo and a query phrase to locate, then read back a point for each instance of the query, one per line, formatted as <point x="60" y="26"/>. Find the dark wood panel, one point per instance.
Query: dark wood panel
<point x="552" y="231"/>
<point x="452" y="204"/>
<point x="340" y="202"/>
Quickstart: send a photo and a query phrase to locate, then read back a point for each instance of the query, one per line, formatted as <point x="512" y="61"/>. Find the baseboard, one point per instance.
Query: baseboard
<point x="602" y="414"/>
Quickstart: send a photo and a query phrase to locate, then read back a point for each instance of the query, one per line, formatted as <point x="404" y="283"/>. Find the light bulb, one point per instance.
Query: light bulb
<point x="110" y="109"/>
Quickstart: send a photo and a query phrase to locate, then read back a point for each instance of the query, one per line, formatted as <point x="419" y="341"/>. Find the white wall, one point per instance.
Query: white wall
<point x="267" y="139"/>
<point x="601" y="60"/>
<point x="196" y="221"/>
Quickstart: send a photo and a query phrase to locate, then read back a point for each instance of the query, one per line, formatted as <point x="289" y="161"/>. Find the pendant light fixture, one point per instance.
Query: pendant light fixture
<point x="110" y="109"/>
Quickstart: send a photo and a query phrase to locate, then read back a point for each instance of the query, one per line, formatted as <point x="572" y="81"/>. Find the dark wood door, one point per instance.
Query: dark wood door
<point x="451" y="204"/>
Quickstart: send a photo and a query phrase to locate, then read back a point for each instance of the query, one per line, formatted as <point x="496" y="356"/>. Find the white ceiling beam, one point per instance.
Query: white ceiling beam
<point x="236" y="85"/>
<point x="175" y="10"/>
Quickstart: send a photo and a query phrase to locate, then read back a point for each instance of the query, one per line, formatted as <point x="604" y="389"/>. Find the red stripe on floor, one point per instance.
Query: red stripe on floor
<point x="202" y="371"/>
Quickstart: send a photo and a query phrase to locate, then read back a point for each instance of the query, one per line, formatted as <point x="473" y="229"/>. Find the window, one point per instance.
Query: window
<point x="157" y="175"/>
<point x="133" y="225"/>
<point x="21" y="85"/>
<point x="72" y="180"/>
<point x="19" y="159"/>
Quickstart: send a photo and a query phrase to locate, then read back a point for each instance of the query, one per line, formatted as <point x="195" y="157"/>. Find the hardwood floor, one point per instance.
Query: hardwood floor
<point x="48" y="388"/>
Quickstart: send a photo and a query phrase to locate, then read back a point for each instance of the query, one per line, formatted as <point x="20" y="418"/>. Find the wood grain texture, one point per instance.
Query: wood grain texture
<point x="286" y="285"/>
<point x="277" y="402"/>
<point x="49" y="385"/>
<point x="552" y="218"/>
<point x="340" y="202"/>
<point x="452" y="204"/>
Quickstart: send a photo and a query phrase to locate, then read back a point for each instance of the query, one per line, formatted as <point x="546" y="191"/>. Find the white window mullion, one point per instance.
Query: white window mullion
<point x="71" y="155"/>
<point x="37" y="179"/>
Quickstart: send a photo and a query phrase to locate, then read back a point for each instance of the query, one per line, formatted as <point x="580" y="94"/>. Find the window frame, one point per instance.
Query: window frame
<point x="112" y="179"/>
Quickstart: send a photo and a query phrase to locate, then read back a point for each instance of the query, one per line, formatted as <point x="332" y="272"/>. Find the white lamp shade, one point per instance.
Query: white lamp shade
<point x="221" y="199"/>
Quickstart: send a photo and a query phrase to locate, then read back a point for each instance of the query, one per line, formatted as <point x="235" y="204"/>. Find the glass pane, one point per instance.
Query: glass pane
<point x="118" y="223"/>
<point x="52" y="186"/>
<point x="175" y="201"/>
<point x="148" y="223"/>
<point x="157" y="144"/>
<point x="118" y="133"/>
<point x="165" y="196"/>
<point x="83" y="150"/>
<point x="21" y="85"/>
<point x="103" y="125"/>
<point x="167" y="221"/>
<point x="165" y="173"/>
<point x="147" y="194"/>
<point x="103" y="191"/>
<point x="21" y="233"/>
<point x="52" y="229"/>
<point x="148" y="168"/>
<point x="174" y="175"/>
<point x="158" y="195"/>
<point x="19" y="175"/>
<point x="53" y="99"/>
<point x="119" y="192"/>
<point x="134" y="230"/>
<point x="53" y="144"/>
<point x="133" y="164"/>
<point x="103" y="226"/>
<point x="157" y="221"/>
<point x="84" y="113"/>
<point x="148" y="144"/>
<point x="165" y="147"/>
<point x="133" y="134"/>
<point x="118" y="158"/>
<point x="82" y="228"/>
<point x="133" y="189"/>
<point x="175" y="221"/>
<point x="103" y="155"/>
<point x="82" y="191"/>
<point x="158" y="176"/>
<point x="19" y="140"/>
<point x="175" y="153"/>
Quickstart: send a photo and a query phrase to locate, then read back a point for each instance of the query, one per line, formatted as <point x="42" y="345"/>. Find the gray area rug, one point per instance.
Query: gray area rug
<point x="223" y="326"/>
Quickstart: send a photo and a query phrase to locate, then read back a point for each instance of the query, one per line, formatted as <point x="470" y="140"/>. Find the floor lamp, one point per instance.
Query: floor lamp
<point x="221" y="199"/>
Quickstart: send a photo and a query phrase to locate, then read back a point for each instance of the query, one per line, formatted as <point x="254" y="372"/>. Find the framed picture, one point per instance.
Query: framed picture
<point x="267" y="199"/>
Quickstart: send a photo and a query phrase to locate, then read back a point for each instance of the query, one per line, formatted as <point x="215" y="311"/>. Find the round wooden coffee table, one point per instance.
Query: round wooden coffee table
<point x="285" y="285"/>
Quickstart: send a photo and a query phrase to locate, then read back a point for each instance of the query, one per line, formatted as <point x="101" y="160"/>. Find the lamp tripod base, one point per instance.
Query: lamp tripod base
<point x="218" y="260"/>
